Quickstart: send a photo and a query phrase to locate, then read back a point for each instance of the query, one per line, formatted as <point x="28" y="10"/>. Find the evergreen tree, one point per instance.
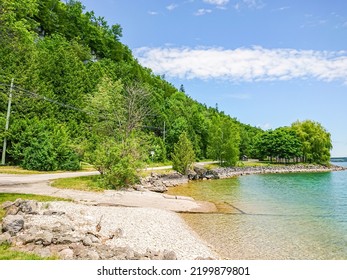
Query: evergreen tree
<point x="183" y="155"/>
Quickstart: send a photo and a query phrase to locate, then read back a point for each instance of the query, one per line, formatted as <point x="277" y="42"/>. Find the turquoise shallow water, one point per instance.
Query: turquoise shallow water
<point x="274" y="216"/>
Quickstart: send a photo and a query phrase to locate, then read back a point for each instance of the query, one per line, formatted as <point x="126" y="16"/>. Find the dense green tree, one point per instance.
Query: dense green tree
<point x="42" y="145"/>
<point x="118" y="162"/>
<point x="279" y="144"/>
<point x="80" y="94"/>
<point x="316" y="141"/>
<point x="183" y="155"/>
<point x="224" y="139"/>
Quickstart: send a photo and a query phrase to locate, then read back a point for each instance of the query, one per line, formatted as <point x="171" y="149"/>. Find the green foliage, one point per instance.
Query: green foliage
<point x="157" y="146"/>
<point x="316" y="141"/>
<point x="183" y="155"/>
<point x="86" y="183"/>
<point x="281" y="144"/>
<point x="41" y="145"/>
<point x="87" y="98"/>
<point x="118" y="163"/>
<point x="224" y="139"/>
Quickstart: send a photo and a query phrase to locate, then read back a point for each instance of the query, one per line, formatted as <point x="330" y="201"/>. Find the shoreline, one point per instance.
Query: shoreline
<point x="160" y="183"/>
<point x="74" y="231"/>
<point x="149" y="222"/>
<point x="229" y="172"/>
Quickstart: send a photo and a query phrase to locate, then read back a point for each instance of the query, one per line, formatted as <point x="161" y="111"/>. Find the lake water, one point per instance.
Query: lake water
<point x="274" y="216"/>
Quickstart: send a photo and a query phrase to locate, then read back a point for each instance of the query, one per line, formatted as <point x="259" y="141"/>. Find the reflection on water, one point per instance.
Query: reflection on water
<point x="286" y="216"/>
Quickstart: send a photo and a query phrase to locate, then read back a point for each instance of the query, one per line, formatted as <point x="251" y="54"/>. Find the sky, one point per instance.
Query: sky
<point x="267" y="63"/>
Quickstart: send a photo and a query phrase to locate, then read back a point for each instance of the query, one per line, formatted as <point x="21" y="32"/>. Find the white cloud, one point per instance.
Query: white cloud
<point x="152" y="13"/>
<point x="217" y="2"/>
<point x="265" y="126"/>
<point x="252" y="4"/>
<point x="257" y="4"/>
<point x="171" y="7"/>
<point x="202" y="12"/>
<point x="245" y="64"/>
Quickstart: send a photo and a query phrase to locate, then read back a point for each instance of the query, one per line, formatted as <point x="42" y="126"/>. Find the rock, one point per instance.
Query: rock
<point x="12" y="224"/>
<point x="92" y="255"/>
<point x="160" y="183"/>
<point x="66" y="239"/>
<point x="87" y="254"/>
<point x="192" y="175"/>
<point x="169" y="255"/>
<point x="87" y="241"/>
<point x="29" y="207"/>
<point x="130" y="254"/>
<point x="157" y="186"/>
<point x="52" y="212"/>
<point x="66" y="254"/>
<point x="27" y="238"/>
<point x="44" y="252"/>
<point x="153" y="255"/>
<point x="12" y="210"/>
<point x="200" y="171"/>
<point x="44" y="238"/>
<point x="138" y="187"/>
<point x="118" y="233"/>
<point x="5" y="238"/>
<point x="6" y="204"/>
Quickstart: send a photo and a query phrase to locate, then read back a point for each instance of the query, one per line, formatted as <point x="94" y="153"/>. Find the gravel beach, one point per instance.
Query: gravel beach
<point x="138" y="228"/>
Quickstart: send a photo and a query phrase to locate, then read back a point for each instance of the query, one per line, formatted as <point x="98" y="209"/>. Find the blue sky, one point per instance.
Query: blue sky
<point x="268" y="63"/>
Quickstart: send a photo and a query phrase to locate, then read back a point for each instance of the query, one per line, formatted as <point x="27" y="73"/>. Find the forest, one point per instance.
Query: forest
<point x="78" y="94"/>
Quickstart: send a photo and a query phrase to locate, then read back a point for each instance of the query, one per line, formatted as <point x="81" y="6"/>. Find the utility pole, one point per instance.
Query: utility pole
<point x="3" y="158"/>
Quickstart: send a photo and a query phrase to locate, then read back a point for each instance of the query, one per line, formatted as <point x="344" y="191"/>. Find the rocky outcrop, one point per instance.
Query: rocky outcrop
<point x="228" y="172"/>
<point x="160" y="182"/>
<point x="29" y="226"/>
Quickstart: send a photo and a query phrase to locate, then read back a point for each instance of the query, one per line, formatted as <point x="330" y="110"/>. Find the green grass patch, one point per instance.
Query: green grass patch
<point x="146" y="173"/>
<point x="158" y="164"/>
<point x="87" y="183"/>
<point x="7" y="253"/>
<point x="211" y="166"/>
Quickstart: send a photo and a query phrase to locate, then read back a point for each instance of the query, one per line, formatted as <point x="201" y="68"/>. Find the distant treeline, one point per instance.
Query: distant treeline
<point x="338" y="159"/>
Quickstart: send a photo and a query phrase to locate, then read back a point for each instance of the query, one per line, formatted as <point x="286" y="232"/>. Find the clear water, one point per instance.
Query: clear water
<point x="274" y="216"/>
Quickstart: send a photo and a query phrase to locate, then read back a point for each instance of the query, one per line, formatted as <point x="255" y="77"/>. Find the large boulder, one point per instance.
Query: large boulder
<point x="200" y="171"/>
<point x="12" y="224"/>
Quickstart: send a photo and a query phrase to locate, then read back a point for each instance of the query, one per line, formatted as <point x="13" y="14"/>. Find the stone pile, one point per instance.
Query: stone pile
<point x="160" y="182"/>
<point x="32" y="227"/>
<point x="228" y="172"/>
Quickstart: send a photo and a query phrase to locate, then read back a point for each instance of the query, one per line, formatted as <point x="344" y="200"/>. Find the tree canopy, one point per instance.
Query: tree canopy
<point x="80" y="95"/>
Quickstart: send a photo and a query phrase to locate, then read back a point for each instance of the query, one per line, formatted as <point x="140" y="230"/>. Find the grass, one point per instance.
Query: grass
<point x="6" y="252"/>
<point x="145" y="173"/>
<point x="158" y="164"/>
<point x="88" y="183"/>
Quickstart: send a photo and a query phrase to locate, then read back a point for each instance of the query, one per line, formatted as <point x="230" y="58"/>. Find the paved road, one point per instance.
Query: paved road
<point x="11" y="179"/>
<point x="39" y="184"/>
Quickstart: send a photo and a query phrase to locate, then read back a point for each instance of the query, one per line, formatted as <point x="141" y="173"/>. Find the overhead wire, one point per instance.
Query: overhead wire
<point x="68" y="106"/>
